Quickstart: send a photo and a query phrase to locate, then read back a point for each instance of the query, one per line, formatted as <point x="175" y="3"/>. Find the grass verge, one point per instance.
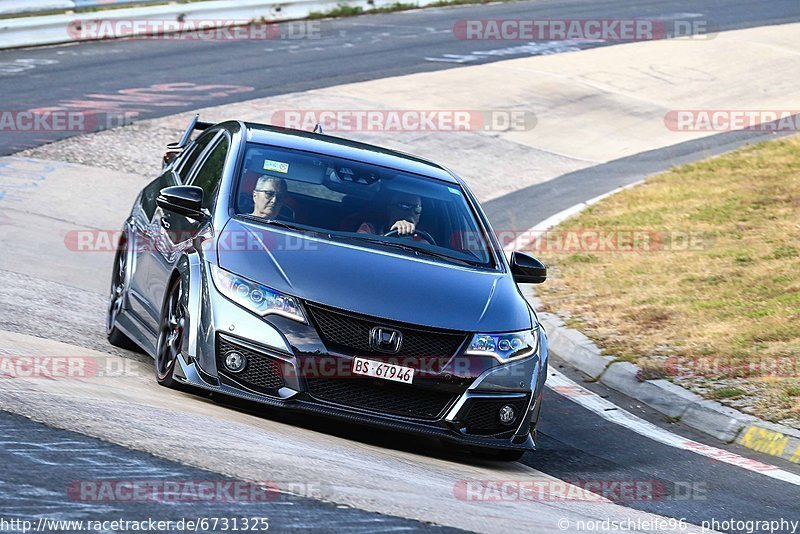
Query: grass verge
<point x="695" y="276"/>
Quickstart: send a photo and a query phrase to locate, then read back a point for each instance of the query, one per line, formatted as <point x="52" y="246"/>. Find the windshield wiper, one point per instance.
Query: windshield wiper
<point x="417" y="250"/>
<point x="284" y="224"/>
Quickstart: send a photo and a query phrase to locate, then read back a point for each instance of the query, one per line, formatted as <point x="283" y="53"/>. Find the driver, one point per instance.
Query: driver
<point x="402" y="214"/>
<point x="268" y="197"/>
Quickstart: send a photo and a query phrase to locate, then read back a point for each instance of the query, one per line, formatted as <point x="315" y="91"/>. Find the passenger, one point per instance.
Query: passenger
<point x="268" y="198"/>
<point x="402" y="214"/>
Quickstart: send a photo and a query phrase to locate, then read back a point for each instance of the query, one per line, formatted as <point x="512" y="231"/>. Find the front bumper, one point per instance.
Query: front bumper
<point x="189" y="373"/>
<point x="467" y="416"/>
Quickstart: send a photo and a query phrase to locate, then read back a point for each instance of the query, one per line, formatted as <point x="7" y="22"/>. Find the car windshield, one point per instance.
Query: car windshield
<point x="366" y="204"/>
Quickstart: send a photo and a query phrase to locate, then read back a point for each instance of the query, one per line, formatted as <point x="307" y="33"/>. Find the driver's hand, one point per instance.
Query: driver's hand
<point x="404" y="227"/>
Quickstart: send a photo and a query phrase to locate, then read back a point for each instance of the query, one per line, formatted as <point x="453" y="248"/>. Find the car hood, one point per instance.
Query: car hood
<point x="373" y="282"/>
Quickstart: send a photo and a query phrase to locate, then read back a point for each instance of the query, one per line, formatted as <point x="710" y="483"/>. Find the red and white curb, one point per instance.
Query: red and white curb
<point x="613" y="413"/>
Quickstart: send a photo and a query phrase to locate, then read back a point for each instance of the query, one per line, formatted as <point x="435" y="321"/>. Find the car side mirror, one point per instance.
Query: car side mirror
<point x="182" y="199"/>
<point x="526" y="269"/>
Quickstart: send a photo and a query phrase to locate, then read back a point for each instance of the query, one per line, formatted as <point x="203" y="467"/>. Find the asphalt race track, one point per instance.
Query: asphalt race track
<point x="34" y="484"/>
<point x="574" y="443"/>
<point x="348" y="50"/>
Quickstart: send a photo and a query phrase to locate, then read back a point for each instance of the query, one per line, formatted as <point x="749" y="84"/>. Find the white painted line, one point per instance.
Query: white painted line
<point x="535" y="233"/>
<point x="680" y="16"/>
<point x="452" y="58"/>
<point x="613" y="413"/>
<point x="533" y="48"/>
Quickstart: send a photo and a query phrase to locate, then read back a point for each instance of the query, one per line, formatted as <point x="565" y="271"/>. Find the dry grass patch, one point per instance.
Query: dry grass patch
<point x="715" y="277"/>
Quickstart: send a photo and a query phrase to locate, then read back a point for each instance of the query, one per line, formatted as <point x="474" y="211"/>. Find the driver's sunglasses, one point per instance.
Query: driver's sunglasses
<point x="269" y="193"/>
<point x="416" y="208"/>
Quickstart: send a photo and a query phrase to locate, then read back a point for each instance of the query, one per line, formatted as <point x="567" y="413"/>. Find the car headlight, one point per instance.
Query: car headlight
<point x="259" y="299"/>
<point x="504" y="347"/>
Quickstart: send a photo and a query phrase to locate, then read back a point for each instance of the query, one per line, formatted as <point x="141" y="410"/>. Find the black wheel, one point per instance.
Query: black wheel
<point x="171" y="332"/>
<point x="511" y="455"/>
<point x="116" y="299"/>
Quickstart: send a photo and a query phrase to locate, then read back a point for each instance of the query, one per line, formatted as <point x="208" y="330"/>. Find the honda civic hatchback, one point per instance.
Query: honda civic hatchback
<point x="313" y="273"/>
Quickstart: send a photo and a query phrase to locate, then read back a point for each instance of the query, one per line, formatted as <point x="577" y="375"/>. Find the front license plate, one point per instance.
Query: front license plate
<point x="387" y="371"/>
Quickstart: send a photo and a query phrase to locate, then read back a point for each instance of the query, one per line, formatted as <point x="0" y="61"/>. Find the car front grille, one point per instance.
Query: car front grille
<point x="382" y="396"/>
<point x="262" y="373"/>
<point x="351" y="332"/>
<point x="483" y="417"/>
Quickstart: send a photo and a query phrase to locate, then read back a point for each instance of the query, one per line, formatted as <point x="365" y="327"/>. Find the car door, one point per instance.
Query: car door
<point x="176" y="232"/>
<point x="148" y="231"/>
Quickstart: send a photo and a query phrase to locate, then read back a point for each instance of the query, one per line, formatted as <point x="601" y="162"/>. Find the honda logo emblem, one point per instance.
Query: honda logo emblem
<point x="385" y="340"/>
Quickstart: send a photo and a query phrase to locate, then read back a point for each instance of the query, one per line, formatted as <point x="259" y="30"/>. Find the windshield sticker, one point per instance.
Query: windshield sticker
<point x="277" y="166"/>
<point x="453" y="190"/>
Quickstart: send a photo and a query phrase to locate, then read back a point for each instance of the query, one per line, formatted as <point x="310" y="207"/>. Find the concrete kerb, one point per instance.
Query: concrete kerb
<point x="671" y="400"/>
<point x="574" y="347"/>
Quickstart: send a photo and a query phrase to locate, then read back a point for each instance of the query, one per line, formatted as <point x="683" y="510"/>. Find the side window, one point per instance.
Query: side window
<point x="197" y="148"/>
<point x="209" y="174"/>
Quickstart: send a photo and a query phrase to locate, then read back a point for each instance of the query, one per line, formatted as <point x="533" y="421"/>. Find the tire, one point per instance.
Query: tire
<point x="171" y="332"/>
<point x="116" y="299"/>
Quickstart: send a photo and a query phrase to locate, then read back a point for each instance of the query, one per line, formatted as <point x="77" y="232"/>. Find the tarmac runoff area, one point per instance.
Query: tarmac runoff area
<point x="591" y="107"/>
<point x="530" y="119"/>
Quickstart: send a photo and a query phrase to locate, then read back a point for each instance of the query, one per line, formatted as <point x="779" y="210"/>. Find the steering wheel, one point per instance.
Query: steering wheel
<point x="421" y="233"/>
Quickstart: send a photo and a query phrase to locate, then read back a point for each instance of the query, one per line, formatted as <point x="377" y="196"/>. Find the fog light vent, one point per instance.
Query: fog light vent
<point x="235" y="362"/>
<point x="507" y="414"/>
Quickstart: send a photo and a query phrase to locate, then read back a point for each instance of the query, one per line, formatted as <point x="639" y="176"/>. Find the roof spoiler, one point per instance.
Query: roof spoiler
<point x="196" y="124"/>
<point x="174" y="149"/>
